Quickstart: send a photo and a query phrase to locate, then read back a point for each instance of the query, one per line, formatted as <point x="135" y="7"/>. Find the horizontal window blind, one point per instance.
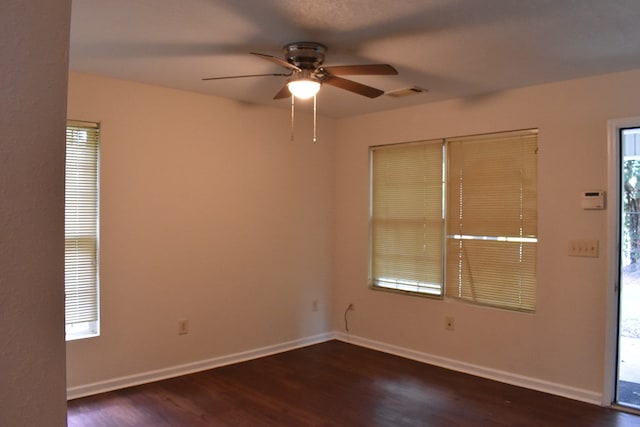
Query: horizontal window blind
<point x="492" y="219"/>
<point x="406" y="217"/>
<point x="81" y="228"/>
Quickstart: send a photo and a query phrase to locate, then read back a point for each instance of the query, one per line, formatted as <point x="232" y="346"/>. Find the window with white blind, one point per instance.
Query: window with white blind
<point x="407" y="217"/>
<point x="467" y="214"/>
<point x="81" y="230"/>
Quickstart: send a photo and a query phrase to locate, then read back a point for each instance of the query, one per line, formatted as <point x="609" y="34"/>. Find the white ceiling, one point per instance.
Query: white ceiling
<point x="453" y="48"/>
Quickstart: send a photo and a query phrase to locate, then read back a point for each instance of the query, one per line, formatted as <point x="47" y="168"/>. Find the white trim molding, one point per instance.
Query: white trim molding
<point x="455" y="365"/>
<point x="479" y="371"/>
<point x="190" y="368"/>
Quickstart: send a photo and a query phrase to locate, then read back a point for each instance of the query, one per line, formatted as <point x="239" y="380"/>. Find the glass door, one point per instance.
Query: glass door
<point x="628" y="362"/>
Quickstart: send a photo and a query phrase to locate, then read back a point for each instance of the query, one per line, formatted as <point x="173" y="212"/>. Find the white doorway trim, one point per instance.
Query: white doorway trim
<point x="613" y="254"/>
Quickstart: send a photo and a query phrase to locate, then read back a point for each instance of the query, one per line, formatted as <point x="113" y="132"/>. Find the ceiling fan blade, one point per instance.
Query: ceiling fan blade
<point x="351" y="86"/>
<point x="277" y="60"/>
<point x="248" y="75"/>
<point x="362" y="70"/>
<point x="283" y="93"/>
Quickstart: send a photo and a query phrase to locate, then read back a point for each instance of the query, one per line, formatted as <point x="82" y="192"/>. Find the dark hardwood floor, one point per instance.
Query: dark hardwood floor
<point x="335" y="384"/>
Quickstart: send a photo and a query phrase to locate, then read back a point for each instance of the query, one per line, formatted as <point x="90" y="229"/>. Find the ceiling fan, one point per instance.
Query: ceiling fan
<point x="304" y="60"/>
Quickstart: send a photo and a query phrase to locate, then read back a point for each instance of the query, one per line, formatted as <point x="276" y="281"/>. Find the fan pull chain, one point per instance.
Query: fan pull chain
<point x="293" y="114"/>
<point x="315" y="120"/>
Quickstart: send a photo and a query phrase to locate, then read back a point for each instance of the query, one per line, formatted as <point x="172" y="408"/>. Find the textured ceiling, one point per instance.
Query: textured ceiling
<point x="453" y="48"/>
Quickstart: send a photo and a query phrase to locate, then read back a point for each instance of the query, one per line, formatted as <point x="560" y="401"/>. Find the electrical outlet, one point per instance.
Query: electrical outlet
<point x="314" y="305"/>
<point x="183" y="326"/>
<point x="583" y="248"/>
<point x="450" y="323"/>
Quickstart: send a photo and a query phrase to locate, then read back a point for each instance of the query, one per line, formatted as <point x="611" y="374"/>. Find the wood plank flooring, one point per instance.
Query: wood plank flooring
<point x="335" y="384"/>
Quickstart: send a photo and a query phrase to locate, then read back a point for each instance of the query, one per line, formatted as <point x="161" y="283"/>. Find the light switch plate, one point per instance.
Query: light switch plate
<point x="583" y="248"/>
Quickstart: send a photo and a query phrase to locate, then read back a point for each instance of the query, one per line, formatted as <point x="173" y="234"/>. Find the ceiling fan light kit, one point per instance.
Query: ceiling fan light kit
<point x="304" y="86"/>
<point x="304" y="62"/>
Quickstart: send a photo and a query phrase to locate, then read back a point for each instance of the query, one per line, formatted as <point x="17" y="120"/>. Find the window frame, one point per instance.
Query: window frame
<point x="86" y="326"/>
<point x="412" y="287"/>
<point x="374" y="283"/>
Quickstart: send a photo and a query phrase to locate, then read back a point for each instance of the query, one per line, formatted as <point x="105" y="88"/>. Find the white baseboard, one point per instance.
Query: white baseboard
<point x="455" y="365"/>
<point x="479" y="371"/>
<point x="189" y="368"/>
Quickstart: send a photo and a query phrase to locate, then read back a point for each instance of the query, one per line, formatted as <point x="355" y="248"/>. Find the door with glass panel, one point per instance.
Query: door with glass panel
<point x="628" y="360"/>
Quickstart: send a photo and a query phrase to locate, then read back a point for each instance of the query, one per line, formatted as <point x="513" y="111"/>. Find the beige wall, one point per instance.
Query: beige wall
<point x="563" y="342"/>
<point x="208" y="212"/>
<point x="34" y="39"/>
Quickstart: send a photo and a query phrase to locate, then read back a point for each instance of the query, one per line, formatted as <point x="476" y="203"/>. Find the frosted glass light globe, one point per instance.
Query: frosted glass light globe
<point x="303" y="89"/>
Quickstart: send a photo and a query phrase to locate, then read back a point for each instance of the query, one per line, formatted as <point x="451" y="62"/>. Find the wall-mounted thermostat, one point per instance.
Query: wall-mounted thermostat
<point x="593" y="199"/>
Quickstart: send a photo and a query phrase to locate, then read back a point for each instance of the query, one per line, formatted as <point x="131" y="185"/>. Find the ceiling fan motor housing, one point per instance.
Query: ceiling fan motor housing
<point x="305" y="55"/>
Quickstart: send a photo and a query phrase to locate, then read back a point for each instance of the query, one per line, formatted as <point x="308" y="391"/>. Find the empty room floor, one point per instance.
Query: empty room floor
<point x="335" y="384"/>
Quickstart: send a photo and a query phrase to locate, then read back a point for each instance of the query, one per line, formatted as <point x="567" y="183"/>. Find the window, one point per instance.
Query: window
<point x="406" y="220"/>
<point x="457" y="218"/>
<point x="81" y="231"/>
